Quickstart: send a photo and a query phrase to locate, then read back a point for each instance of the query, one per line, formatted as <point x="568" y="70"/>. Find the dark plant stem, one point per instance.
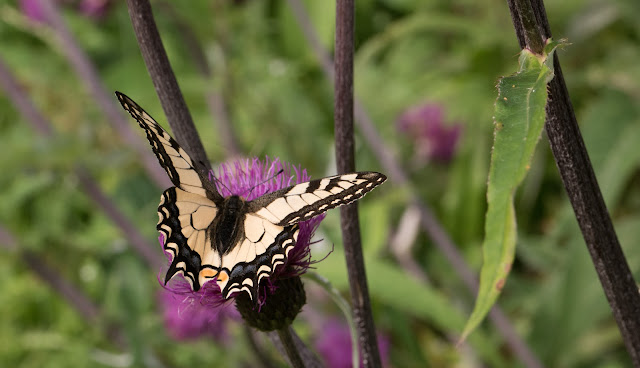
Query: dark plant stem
<point x="345" y="160"/>
<point x="215" y="100"/>
<point x="90" y="77"/>
<point x="165" y="82"/>
<point x="290" y="347"/>
<point x="429" y="222"/>
<point x="530" y="31"/>
<point x="263" y="359"/>
<point x="309" y="359"/>
<point x="88" y="184"/>
<point x="148" y="252"/>
<point x="76" y="298"/>
<point x="583" y="190"/>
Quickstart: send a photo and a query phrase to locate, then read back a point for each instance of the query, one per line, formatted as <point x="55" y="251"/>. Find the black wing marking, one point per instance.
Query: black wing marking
<point x="175" y="160"/>
<point x="304" y="201"/>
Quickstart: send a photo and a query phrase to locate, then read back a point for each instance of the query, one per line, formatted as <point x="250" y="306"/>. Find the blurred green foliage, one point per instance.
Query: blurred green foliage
<point x="408" y="53"/>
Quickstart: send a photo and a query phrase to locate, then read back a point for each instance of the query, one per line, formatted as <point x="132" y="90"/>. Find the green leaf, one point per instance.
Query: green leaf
<point x="519" y="119"/>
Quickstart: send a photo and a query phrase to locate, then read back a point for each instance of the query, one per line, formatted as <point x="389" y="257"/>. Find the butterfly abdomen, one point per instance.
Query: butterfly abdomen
<point x="226" y="230"/>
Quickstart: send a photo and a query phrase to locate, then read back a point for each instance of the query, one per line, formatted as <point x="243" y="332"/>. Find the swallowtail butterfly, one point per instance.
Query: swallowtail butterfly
<point x="227" y="239"/>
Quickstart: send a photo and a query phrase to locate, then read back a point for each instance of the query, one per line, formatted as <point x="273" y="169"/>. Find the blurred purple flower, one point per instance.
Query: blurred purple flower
<point x="433" y="139"/>
<point x="32" y="10"/>
<point x="334" y="345"/>
<point x="248" y="178"/>
<point x="95" y="9"/>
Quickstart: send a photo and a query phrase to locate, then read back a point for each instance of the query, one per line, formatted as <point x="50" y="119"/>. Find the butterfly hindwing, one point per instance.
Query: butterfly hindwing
<point x="265" y="247"/>
<point x="179" y="166"/>
<point x="303" y="201"/>
<point x="183" y="219"/>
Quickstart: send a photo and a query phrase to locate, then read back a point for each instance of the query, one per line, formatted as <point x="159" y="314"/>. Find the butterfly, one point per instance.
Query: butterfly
<point x="235" y="242"/>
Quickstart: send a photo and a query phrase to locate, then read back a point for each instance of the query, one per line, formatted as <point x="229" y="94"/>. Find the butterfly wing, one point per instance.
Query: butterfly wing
<point x="183" y="221"/>
<point x="303" y="201"/>
<point x="175" y="161"/>
<point x="264" y="247"/>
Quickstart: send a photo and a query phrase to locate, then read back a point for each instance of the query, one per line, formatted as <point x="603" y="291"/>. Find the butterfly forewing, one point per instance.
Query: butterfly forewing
<point x="176" y="162"/>
<point x="304" y="201"/>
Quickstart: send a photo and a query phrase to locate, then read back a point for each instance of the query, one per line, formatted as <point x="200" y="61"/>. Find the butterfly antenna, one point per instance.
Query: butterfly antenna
<point x="215" y="180"/>
<point x="265" y="181"/>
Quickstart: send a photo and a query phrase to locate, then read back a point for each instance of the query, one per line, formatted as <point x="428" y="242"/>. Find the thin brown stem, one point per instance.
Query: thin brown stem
<point x="263" y="358"/>
<point x="76" y="298"/>
<point x="165" y="82"/>
<point x="530" y="29"/>
<point x="345" y="160"/>
<point x="89" y="76"/>
<point x="309" y="359"/>
<point x="290" y="347"/>
<point x="216" y="102"/>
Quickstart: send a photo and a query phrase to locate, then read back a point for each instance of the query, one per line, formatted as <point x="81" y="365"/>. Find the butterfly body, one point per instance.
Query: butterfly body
<point x="226" y="229"/>
<point x="234" y="241"/>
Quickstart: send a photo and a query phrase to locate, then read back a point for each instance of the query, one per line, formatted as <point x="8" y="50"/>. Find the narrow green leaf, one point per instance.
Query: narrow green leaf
<point x="519" y="119"/>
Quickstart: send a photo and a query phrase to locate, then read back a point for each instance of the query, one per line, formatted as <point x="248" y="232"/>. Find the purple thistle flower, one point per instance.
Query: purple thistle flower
<point x="334" y="345"/>
<point x="433" y="139"/>
<point x="250" y="179"/>
<point x="253" y="178"/>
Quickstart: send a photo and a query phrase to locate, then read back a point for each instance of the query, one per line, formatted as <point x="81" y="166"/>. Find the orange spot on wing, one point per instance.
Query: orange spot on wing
<point x="223" y="276"/>
<point x="208" y="273"/>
